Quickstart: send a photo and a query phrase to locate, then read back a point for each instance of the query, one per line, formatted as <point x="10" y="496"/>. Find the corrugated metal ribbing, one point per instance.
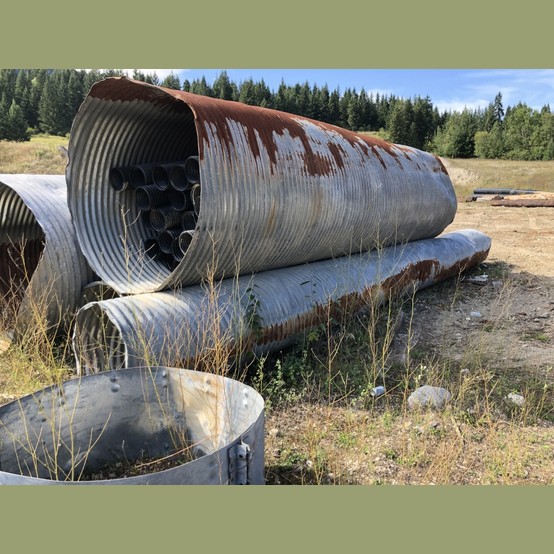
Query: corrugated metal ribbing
<point x="116" y="420"/>
<point x="33" y="208"/>
<point x="265" y="311"/>
<point x="276" y="189"/>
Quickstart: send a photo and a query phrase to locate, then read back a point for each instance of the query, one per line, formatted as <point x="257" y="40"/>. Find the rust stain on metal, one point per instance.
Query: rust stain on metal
<point x="378" y="156"/>
<point x="419" y="272"/>
<point x="337" y="152"/>
<point x="262" y="125"/>
<point x="411" y="275"/>
<point x="321" y="313"/>
<point x="441" y="167"/>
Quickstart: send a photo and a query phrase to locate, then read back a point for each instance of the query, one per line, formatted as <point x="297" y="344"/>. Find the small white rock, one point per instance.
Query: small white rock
<point x="428" y="396"/>
<point x="476" y="314"/>
<point x="517" y="399"/>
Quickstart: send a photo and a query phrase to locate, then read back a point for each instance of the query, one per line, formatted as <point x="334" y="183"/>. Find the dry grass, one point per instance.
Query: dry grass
<point x="40" y="156"/>
<point x="470" y="174"/>
<point x="322" y="424"/>
<point x="348" y="437"/>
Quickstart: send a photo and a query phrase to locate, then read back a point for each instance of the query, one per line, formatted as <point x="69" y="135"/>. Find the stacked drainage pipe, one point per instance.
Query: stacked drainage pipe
<point x="276" y="189"/>
<point x="264" y="312"/>
<point x="167" y="198"/>
<point x="42" y="270"/>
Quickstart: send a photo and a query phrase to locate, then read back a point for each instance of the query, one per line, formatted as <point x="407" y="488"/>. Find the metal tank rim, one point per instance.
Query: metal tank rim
<point x="220" y="463"/>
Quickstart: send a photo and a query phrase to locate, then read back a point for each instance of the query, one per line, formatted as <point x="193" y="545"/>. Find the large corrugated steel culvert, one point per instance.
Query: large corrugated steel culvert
<point x="265" y="312"/>
<point x="270" y="189"/>
<point x="137" y="426"/>
<point x="42" y="269"/>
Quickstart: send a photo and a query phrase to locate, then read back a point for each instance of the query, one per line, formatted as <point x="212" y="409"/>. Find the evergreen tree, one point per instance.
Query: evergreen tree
<point x="4" y="108"/>
<point x="457" y="139"/>
<point x="247" y="92"/>
<point x="498" y="109"/>
<point x="75" y="93"/>
<point x="334" y="107"/>
<point x="354" y="117"/>
<point x="50" y="107"/>
<point x="423" y="122"/>
<point x="16" y="125"/>
<point x="371" y="117"/>
<point x="8" y="78"/>
<point x="201" y="87"/>
<point x="322" y="102"/>
<point x="172" y="81"/>
<point x="400" y="127"/>
<point x="89" y="78"/>
<point x="281" y="97"/>
<point x="519" y="126"/>
<point x="186" y="85"/>
<point x="22" y="93"/>
<point x="344" y="104"/>
<point x="139" y="75"/>
<point x="152" y="78"/>
<point x="222" y="87"/>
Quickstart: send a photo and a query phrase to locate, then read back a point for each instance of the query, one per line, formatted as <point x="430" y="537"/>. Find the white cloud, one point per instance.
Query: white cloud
<point x="532" y="86"/>
<point x="456" y="105"/>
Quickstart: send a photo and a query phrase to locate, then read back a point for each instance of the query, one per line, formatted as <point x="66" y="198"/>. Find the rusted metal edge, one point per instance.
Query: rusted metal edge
<point x="277" y="189"/>
<point x="263" y="312"/>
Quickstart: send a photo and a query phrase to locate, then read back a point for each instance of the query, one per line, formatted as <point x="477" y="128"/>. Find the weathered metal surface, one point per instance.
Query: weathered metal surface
<point x="264" y="312"/>
<point x="62" y="434"/>
<point x="42" y="269"/>
<point x="524" y="202"/>
<point x="276" y="189"/>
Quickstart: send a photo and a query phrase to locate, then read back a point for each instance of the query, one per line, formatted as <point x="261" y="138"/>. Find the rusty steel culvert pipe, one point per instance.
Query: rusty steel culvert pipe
<point x="42" y="269"/>
<point x="275" y="189"/>
<point x="263" y="312"/>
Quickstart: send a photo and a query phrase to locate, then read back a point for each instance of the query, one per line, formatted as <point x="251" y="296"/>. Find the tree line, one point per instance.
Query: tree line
<point x="46" y="101"/>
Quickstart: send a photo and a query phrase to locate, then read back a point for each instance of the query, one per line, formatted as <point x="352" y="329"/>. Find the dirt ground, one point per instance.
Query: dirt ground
<point x="516" y="301"/>
<point x="499" y="316"/>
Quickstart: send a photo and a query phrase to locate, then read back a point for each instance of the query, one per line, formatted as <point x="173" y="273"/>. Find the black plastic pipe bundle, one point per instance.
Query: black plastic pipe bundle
<point x="166" y="194"/>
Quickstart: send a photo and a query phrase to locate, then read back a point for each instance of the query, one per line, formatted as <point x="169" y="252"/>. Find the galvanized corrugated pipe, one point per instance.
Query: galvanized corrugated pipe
<point x="62" y="434"/>
<point x="277" y="189"/>
<point x="42" y="267"/>
<point x="263" y="312"/>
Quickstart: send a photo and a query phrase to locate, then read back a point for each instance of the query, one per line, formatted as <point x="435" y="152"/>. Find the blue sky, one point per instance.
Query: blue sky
<point x="449" y="89"/>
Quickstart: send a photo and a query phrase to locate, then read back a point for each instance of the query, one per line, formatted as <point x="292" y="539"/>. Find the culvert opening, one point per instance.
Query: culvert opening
<point x="98" y="346"/>
<point x="22" y="242"/>
<point x="140" y="147"/>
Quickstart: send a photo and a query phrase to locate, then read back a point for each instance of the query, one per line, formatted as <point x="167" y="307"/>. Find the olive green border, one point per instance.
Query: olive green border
<point x="313" y="519"/>
<point x="424" y="34"/>
<point x="250" y="33"/>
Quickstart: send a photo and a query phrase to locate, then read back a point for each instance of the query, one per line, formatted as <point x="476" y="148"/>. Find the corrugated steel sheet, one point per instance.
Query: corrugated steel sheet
<point x="263" y="312"/>
<point x="276" y="189"/>
<point x="41" y="263"/>
<point x="59" y="434"/>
